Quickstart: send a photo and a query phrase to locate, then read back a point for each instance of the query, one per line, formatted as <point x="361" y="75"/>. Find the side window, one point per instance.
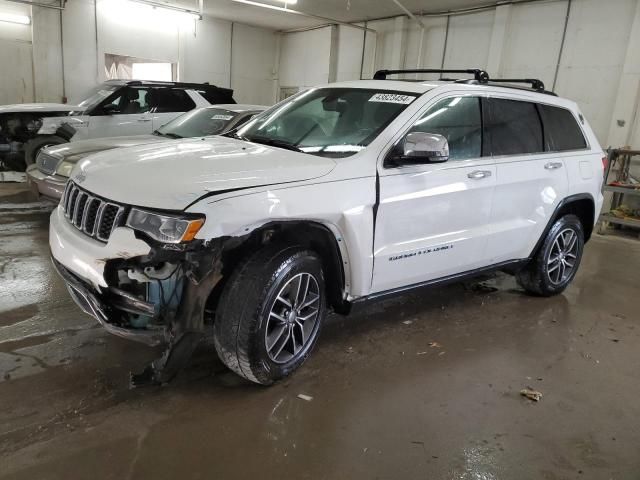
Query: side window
<point x="126" y="101"/>
<point x="217" y="95"/>
<point x="514" y="127"/>
<point x="165" y="100"/>
<point x="561" y="131"/>
<point x="459" y="120"/>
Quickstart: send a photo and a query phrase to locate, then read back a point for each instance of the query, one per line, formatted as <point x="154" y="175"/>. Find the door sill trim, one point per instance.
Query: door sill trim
<point x="509" y="265"/>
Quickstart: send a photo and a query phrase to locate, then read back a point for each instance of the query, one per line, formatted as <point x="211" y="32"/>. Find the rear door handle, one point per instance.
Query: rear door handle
<point x="478" y="174"/>
<point x="144" y="119"/>
<point x="553" y="165"/>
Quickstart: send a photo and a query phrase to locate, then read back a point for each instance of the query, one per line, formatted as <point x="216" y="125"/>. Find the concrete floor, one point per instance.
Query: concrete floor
<point x="387" y="402"/>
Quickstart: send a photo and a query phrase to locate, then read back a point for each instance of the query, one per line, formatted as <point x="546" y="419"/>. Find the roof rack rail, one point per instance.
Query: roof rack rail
<point x="480" y="75"/>
<point x="534" y="82"/>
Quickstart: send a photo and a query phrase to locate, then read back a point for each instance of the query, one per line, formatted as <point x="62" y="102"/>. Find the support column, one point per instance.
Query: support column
<point x="399" y="43"/>
<point x="333" y="54"/>
<point x="498" y="37"/>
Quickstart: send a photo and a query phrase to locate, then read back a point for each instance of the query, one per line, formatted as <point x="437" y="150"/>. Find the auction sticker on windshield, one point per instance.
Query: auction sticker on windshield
<point x="391" y="98"/>
<point x="222" y="117"/>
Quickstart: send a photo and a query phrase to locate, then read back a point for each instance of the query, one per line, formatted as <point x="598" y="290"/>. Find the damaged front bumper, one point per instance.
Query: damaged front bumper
<point x="107" y="308"/>
<point x="139" y="289"/>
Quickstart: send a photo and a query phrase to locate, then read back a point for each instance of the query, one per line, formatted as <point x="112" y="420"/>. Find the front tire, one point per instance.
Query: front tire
<point x="32" y="147"/>
<point x="556" y="263"/>
<point x="270" y="312"/>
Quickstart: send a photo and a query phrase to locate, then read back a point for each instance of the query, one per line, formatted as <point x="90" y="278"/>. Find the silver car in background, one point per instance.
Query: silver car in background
<point x="49" y="175"/>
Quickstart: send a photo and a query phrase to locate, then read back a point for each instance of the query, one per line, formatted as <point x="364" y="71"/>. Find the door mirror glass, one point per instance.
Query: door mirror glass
<point x="420" y="147"/>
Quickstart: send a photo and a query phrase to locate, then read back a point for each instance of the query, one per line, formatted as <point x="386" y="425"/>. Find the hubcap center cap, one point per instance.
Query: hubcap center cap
<point x="291" y="317"/>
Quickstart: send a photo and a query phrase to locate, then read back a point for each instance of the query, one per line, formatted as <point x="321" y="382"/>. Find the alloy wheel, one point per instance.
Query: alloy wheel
<point x="563" y="255"/>
<point x="292" y="318"/>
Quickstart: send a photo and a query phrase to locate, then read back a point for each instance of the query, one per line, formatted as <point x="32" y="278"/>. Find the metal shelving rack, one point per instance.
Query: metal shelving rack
<point x="622" y="158"/>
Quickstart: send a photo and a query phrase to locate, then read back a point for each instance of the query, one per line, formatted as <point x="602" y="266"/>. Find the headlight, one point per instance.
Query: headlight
<point x="164" y="228"/>
<point x="65" y="168"/>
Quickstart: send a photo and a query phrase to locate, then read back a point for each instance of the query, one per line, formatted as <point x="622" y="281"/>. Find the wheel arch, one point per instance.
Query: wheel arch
<point x="581" y="205"/>
<point x="325" y="240"/>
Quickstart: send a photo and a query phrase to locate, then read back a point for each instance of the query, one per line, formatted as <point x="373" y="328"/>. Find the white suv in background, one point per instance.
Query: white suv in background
<point x="340" y="194"/>
<point x="110" y="109"/>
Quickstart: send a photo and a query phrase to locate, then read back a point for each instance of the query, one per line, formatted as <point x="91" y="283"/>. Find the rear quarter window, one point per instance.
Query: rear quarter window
<point x="513" y="127"/>
<point x="561" y="130"/>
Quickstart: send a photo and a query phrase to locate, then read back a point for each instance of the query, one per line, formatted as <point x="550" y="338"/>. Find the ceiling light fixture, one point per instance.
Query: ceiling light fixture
<point x="272" y="7"/>
<point x="13" y="18"/>
<point x="171" y="8"/>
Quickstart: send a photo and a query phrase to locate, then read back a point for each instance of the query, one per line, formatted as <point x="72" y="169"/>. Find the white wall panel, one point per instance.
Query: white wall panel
<point x="349" y="53"/>
<point x="16" y="73"/>
<point x="469" y="39"/>
<point x="253" y="64"/>
<point x="532" y="42"/>
<point x="79" y="36"/>
<point x="593" y="58"/>
<point x="305" y="58"/>
<point x="205" y="52"/>
<point x="47" y="55"/>
<point x="430" y="55"/>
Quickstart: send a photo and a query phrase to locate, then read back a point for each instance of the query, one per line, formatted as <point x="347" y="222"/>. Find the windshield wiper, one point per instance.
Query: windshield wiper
<point x="233" y="134"/>
<point x="273" y="142"/>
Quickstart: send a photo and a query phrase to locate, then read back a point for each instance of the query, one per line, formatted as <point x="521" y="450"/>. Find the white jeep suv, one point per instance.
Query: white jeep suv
<point x="340" y="194"/>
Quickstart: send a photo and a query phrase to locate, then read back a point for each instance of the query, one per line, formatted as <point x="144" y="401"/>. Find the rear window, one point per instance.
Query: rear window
<point x="561" y="131"/>
<point x="514" y="127"/>
<point x="164" y="100"/>
<point x="217" y="95"/>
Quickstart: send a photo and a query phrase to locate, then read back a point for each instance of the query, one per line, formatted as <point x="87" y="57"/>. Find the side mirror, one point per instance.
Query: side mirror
<point x="110" y="109"/>
<point x="420" y="147"/>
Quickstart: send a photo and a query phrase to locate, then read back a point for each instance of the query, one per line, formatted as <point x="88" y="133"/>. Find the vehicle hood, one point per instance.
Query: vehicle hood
<point x="38" y="107"/>
<point x="75" y="151"/>
<point x="172" y="175"/>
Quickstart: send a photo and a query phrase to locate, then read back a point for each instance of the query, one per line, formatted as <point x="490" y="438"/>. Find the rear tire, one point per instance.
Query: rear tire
<point x="270" y="312"/>
<point x="556" y="262"/>
<point x="32" y="147"/>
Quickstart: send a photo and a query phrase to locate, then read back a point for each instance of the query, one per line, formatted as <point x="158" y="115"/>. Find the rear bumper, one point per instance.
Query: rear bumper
<point x="49" y="186"/>
<point x="94" y="304"/>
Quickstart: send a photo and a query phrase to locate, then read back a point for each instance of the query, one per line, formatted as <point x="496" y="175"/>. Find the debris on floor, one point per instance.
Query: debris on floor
<point x="435" y="345"/>
<point x="304" y="397"/>
<point x="531" y="394"/>
<point x="408" y="322"/>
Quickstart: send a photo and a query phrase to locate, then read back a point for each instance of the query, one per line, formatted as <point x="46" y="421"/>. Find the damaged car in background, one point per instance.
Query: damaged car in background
<point x="48" y="176"/>
<point x="336" y="195"/>
<point x="115" y="107"/>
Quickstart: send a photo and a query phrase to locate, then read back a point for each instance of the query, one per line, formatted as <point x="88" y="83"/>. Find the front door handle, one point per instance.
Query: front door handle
<point x="553" y="165"/>
<point x="478" y="174"/>
<point x="144" y="119"/>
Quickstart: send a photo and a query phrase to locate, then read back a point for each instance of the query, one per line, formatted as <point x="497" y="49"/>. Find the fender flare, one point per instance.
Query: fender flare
<point x="556" y="214"/>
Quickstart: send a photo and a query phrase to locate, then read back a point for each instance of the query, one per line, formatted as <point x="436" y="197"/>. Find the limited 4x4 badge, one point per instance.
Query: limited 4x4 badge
<point x="420" y="252"/>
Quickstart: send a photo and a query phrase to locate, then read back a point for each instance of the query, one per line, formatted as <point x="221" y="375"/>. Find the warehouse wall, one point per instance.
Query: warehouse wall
<point x="602" y="41"/>
<point x="16" y="73"/>
<point x="201" y="49"/>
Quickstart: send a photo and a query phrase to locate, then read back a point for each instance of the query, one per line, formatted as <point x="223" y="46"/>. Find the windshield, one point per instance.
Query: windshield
<point x="335" y="122"/>
<point x="198" y="123"/>
<point x="94" y="96"/>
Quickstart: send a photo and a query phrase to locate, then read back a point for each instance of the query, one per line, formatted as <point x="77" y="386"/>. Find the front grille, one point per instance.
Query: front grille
<point x="90" y="214"/>
<point x="46" y="163"/>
